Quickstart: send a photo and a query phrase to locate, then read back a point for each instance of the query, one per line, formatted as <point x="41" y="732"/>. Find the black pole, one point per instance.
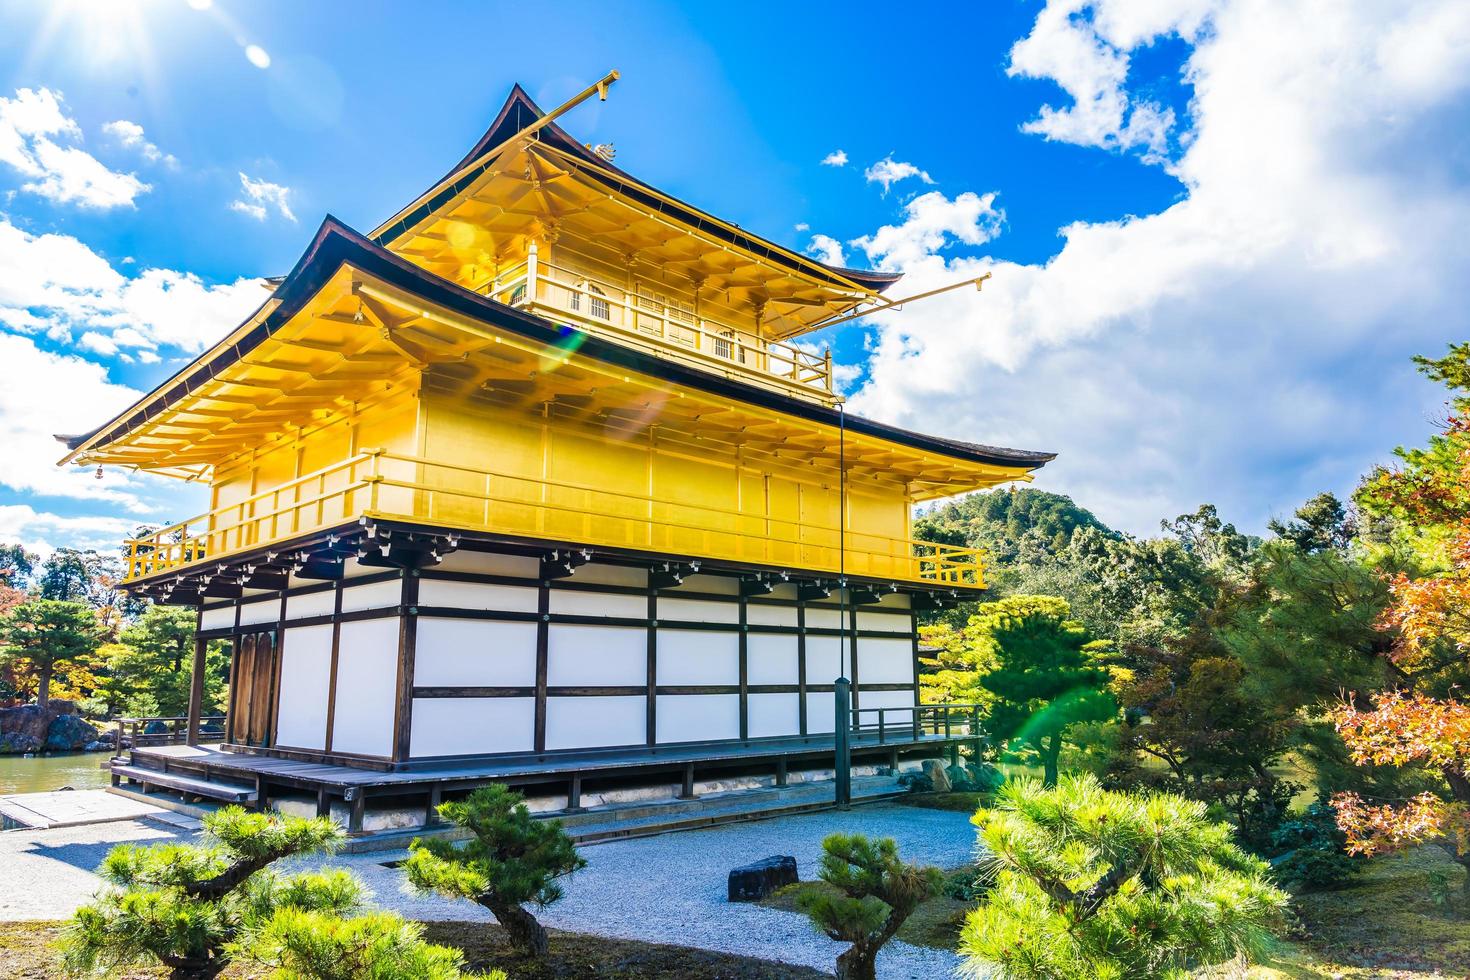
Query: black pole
<point x="842" y="689"/>
<point x="843" y="694"/>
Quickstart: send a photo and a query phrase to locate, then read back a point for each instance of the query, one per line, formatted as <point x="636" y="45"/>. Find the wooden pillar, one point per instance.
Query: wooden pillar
<point x="196" y="693"/>
<point x="781" y="771"/>
<point x="407" y="643"/>
<point x="323" y="803"/>
<point x="431" y="808"/>
<point x="574" y="793"/>
<point x="686" y="792"/>
<point x="358" y="799"/>
<point x="543" y="640"/>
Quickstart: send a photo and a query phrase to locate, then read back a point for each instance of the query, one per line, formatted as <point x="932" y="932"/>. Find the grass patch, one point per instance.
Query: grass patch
<point x="26" y="954"/>
<point x="1403" y="915"/>
<point x="963" y="802"/>
<point x="936" y="923"/>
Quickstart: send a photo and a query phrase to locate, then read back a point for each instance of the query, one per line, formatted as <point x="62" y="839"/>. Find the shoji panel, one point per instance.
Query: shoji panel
<point x="698" y="657"/>
<point x="306" y="669"/>
<point x="367" y="677"/>
<point x="698" y="717"/>
<point x="468" y="726"/>
<point x="596" y="656"/>
<point x="573" y="723"/>
<point x="474" y="653"/>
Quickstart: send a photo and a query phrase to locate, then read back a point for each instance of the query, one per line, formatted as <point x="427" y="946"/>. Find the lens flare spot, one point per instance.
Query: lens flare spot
<point x="257" y="56"/>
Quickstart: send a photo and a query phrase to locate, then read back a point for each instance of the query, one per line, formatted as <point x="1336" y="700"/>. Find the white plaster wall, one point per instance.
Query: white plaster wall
<point x="573" y="723"/>
<point x="823" y="618"/>
<point x="698" y="610"/>
<point x="715" y="584"/>
<point x="822" y="653"/>
<point x="888" y="699"/>
<point x="367" y="678"/>
<point x="484" y="563"/>
<point x="883" y="661"/>
<point x="568" y="603"/>
<point x="476" y="595"/>
<point x="375" y="595"/>
<point x="698" y="657"/>
<point x="351" y="568"/>
<point x="474" y="653"/>
<point x="313" y="604"/>
<point x="467" y="726"/>
<point x="770" y="658"/>
<point x="611" y="575"/>
<point x="759" y="615"/>
<point x="266" y="611"/>
<point x="774" y="714"/>
<point x="897" y="600"/>
<point x="596" y="656"/>
<point x="306" y="670"/>
<point x="698" y="717"/>
<point x="884" y="622"/>
<point x="819" y="712"/>
<point x="215" y="619"/>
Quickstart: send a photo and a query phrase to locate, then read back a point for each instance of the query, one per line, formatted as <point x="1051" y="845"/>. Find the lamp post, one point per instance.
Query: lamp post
<point x="843" y="762"/>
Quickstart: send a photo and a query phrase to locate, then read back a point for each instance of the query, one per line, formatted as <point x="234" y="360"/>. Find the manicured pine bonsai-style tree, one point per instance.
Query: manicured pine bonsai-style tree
<point x="511" y="860"/>
<point x="1093" y="883"/>
<point x="309" y="945"/>
<point x="184" y="905"/>
<point x="876" y="893"/>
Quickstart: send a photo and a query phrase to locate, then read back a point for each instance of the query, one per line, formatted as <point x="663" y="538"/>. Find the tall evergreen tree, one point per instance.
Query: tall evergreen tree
<point x="38" y="636"/>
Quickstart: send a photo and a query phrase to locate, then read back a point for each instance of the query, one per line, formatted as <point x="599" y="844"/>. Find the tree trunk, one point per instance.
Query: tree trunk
<point x="521" y="928"/>
<point x="1049" y="761"/>
<point x="43" y="684"/>
<point x="194" y="968"/>
<point x="860" y="962"/>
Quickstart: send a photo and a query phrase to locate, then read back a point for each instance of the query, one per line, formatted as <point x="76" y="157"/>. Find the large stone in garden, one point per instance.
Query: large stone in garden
<point x="26" y="719"/>
<point x="157" y="728"/>
<point x="755" y="881"/>
<point x="68" y="733"/>
<point x="18" y="743"/>
<point x="934" y="769"/>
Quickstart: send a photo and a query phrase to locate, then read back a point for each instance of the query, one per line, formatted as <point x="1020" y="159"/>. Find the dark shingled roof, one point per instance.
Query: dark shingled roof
<point x="335" y="244"/>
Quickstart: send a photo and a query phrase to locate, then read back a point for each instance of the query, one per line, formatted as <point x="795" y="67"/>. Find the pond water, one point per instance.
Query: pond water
<point x="79" y="770"/>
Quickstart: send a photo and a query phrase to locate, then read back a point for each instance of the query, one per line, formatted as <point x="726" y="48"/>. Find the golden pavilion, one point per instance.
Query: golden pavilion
<point x="539" y="479"/>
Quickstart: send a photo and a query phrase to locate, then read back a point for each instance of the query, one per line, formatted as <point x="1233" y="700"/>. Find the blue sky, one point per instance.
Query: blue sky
<point x="1217" y="228"/>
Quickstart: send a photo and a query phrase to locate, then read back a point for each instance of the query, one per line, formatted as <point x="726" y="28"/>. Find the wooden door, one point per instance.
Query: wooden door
<point x="251" y="689"/>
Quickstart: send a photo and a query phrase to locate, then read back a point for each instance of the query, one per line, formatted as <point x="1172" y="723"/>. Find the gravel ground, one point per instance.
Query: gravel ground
<point x="667" y="889"/>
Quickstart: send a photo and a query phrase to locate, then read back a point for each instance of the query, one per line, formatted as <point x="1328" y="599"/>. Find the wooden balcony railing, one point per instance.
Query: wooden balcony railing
<point x="389" y="486"/>
<point x="950" y="721"/>
<point x="660" y="325"/>
<point x="169" y="730"/>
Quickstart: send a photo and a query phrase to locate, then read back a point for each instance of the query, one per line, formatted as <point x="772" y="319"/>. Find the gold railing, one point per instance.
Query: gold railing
<point x="389" y="486"/>
<point x="661" y="326"/>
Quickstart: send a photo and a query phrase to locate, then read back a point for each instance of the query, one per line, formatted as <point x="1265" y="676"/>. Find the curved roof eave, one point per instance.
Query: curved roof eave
<point x="336" y="244"/>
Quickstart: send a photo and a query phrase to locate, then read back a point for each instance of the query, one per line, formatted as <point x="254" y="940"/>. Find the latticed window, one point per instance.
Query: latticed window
<point x="596" y="300"/>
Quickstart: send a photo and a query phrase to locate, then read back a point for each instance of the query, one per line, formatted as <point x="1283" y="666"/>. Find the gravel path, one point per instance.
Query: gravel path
<point x="667" y="889"/>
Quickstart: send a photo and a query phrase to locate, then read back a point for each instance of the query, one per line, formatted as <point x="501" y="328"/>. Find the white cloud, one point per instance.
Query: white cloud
<point x="930" y="222"/>
<point x="130" y="134"/>
<point x="1089" y="58"/>
<point x="889" y="171"/>
<point x="837" y="158"/>
<point x="1249" y="344"/>
<point x="43" y="394"/>
<point x="262" y="195"/>
<point x="54" y="284"/>
<point x="64" y="174"/>
<point x="39" y="531"/>
<point x="825" y="248"/>
<point x="803" y="226"/>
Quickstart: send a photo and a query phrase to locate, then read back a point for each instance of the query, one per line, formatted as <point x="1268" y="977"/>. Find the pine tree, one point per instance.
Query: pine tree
<point x="312" y="945"/>
<point x="512" y="859"/>
<point x="1093" y="883"/>
<point x="877" y="893"/>
<point x="1048" y="675"/>
<point x="187" y="905"/>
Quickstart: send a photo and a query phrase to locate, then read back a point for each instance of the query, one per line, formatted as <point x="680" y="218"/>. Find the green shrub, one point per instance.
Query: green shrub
<point x="876" y="893"/>
<point x="303" y="945"/>
<point x="185" y="905"/>
<point x="512" y="859"/>
<point x="1309" y="851"/>
<point x="1092" y="883"/>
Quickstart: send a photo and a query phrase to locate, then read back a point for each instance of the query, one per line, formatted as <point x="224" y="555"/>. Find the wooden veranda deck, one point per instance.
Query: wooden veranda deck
<point x="265" y="775"/>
